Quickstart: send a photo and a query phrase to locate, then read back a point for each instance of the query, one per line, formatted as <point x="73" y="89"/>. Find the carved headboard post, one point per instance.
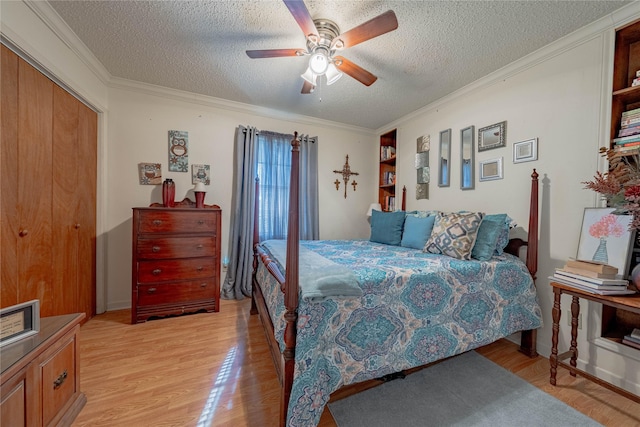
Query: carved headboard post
<point x="404" y="197"/>
<point x="532" y="251"/>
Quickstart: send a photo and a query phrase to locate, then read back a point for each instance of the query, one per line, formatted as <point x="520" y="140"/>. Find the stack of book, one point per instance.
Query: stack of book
<point x="633" y="339"/>
<point x="592" y="277"/>
<point x="636" y="81"/>
<point x="629" y="133"/>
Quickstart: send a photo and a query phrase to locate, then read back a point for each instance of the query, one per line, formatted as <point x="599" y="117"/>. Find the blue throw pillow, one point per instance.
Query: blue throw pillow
<point x="417" y="231"/>
<point x="386" y="227"/>
<point x="490" y="229"/>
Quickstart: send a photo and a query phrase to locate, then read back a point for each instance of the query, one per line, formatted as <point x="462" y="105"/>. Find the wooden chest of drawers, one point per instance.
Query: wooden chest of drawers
<point x="176" y="261"/>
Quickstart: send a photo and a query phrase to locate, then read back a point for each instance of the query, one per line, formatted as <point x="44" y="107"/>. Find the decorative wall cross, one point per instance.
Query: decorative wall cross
<point x="346" y="175"/>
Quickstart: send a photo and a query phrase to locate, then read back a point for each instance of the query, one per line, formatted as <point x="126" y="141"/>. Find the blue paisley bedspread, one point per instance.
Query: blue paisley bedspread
<point x="416" y="308"/>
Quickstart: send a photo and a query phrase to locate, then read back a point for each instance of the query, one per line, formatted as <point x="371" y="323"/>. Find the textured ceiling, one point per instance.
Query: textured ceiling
<point x="439" y="47"/>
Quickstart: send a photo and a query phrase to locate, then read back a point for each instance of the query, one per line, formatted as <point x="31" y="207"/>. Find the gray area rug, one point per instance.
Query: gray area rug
<point x="466" y="390"/>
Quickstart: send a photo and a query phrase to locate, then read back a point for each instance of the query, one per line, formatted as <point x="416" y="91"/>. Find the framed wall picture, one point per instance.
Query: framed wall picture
<point x="150" y="173"/>
<point x="444" y="174"/>
<point x="606" y="238"/>
<point x="19" y="321"/>
<point x="525" y="151"/>
<point x="494" y="136"/>
<point x="200" y="173"/>
<point x="491" y="169"/>
<point x="467" y="173"/>
<point x="178" y="151"/>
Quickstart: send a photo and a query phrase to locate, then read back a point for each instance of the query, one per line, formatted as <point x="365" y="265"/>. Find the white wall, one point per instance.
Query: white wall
<point x="561" y="99"/>
<point x="558" y="95"/>
<point x="138" y="126"/>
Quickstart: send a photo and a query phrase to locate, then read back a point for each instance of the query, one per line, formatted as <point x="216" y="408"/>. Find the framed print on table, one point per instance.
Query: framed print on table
<point x="494" y="136"/>
<point x="19" y="321"/>
<point x="491" y="169"/>
<point x="525" y="151"/>
<point x="605" y="238"/>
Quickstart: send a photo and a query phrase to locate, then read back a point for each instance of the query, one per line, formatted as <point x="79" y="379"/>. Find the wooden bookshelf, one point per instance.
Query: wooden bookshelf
<point x="387" y="168"/>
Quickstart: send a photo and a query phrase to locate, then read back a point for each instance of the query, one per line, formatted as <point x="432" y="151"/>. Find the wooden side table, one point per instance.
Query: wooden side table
<point x="629" y="303"/>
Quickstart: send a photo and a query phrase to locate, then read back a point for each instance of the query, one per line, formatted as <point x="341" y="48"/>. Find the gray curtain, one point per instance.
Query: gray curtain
<point x="237" y="283"/>
<point x="309" y="206"/>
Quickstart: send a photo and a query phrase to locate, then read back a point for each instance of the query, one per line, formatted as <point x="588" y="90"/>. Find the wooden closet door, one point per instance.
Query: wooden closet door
<point x="35" y="115"/>
<point x="65" y="180"/>
<point x="9" y="217"/>
<point x="86" y="214"/>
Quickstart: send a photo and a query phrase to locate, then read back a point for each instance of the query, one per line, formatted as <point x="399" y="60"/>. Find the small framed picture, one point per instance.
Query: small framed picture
<point x="150" y="173"/>
<point x="491" y="169"/>
<point x="494" y="136"/>
<point x="525" y="151"/>
<point x="605" y="237"/>
<point x="19" y="321"/>
<point x="200" y="173"/>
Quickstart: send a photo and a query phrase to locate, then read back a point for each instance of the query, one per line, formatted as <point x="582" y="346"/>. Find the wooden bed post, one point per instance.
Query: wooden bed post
<point x="256" y="240"/>
<point x="528" y="338"/>
<point x="291" y="280"/>
<point x="404" y="198"/>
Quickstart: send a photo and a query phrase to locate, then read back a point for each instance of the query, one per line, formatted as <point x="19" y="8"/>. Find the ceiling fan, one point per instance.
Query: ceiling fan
<point x="324" y="40"/>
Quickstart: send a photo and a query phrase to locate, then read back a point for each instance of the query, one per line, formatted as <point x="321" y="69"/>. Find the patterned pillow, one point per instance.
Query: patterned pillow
<point x="503" y="237"/>
<point x="454" y="234"/>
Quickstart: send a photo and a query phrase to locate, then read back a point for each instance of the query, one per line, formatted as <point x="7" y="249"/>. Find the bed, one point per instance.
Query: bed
<point x="410" y="308"/>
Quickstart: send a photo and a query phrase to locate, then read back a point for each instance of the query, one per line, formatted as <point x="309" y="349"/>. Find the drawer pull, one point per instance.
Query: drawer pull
<point x="156" y="272"/>
<point x="151" y="290"/>
<point x="201" y="222"/>
<point x="199" y="247"/>
<point x="200" y="268"/>
<point x="203" y="285"/>
<point x="61" y="379"/>
<point x="23" y="232"/>
<point x="155" y="249"/>
<point x="157" y="222"/>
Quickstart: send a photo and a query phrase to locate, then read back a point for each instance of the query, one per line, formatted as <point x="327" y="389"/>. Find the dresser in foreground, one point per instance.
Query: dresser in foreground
<point x="40" y="380"/>
<point x="175" y="262"/>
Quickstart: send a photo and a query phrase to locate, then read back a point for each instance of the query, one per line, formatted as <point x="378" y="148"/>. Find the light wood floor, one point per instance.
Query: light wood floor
<point x="215" y="369"/>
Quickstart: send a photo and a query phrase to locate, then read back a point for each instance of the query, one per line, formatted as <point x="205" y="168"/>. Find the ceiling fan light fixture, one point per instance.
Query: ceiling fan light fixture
<point x="310" y="76"/>
<point x="318" y="63"/>
<point x="333" y="74"/>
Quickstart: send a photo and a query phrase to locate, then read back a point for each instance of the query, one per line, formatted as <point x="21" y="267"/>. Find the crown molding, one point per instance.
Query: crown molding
<point x="210" y="101"/>
<point x="53" y="21"/>
<point x="609" y="23"/>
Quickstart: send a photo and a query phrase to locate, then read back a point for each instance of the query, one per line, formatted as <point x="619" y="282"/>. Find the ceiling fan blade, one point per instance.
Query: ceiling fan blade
<point x="375" y="27"/>
<point x="302" y="16"/>
<point x="307" y="87"/>
<point x="274" y="53"/>
<point x="355" y="71"/>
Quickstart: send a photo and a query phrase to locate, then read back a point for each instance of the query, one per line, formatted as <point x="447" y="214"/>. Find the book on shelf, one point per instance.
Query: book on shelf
<point x="631" y="112"/>
<point x="589" y="273"/>
<point x="626" y="139"/>
<point x="609" y="284"/>
<point x="635" y="130"/>
<point x="387" y="152"/>
<point x="625" y="149"/>
<point x="636" y="82"/>
<point x="598" y="267"/>
<point x="630" y="120"/>
<point x="630" y="343"/>
<point x="635" y="334"/>
<point x="621" y="291"/>
<point x="632" y="339"/>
